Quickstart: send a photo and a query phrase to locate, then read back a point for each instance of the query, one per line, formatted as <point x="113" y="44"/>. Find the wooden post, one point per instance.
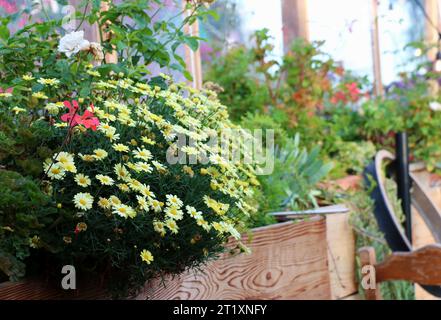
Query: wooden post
<point x="368" y="259"/>
<point x="378" y="83"/>
<point x="111" y="57"/>
<point x="432" y="37"/>
<point x="295" y="21"/>
<point x="193" y="58"/>
<point x="431" y="33"/>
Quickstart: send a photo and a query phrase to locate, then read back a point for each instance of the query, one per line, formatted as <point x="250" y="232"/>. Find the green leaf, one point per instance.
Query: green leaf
<point x="192" y="42"/>
<point x="4" y="32"/>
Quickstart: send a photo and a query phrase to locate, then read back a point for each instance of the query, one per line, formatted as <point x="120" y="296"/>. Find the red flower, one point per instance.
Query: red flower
<point x="87" y="119"/>
<point x="354" y="92"/>
<point x="72" y="117"/>
<point x="338" y="97"/>
<point x="9" y="90"/>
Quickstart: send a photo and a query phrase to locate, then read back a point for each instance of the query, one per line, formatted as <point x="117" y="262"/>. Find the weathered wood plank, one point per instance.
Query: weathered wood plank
<point x="341" y="255"/>
<point x="38" y="290"/>
<point x="421" y="235"/>
<point x="422" y="265"/>
<point x="295" y="21"/>
<point x="288" y="261"/>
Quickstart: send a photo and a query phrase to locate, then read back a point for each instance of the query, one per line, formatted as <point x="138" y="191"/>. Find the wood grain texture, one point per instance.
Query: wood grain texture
<point x="38" y="290"/>
<point x="421" y="234"/>
<point x="288" y="261"/>
<point x="368" y="258"/>
<point x="341" y="255"/>
<point x="422" y="266"/>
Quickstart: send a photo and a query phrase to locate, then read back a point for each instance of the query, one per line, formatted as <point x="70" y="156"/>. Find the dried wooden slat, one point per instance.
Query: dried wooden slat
<point x="422" y="266"/>
<point x="288" y="261"/>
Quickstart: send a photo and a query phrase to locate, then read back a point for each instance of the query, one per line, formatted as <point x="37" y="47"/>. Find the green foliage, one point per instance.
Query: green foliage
<point x="24" y="213"/>
<point x="42" y="225"/>
<point x="300" y="98"/>
<point x="242" y="93"/>
<point x="292" y="186"/>
<point x="253" y="121"/>
<point x="139" y="38"/>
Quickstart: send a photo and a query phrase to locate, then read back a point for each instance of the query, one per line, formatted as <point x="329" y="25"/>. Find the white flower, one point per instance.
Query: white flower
<point x="73" y="43"/>
<point x="83" y="201"/>
<point x="435" y="106"/>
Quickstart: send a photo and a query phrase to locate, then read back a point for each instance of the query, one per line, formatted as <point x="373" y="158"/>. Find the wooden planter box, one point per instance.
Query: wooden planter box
<point x="313" y="259"/>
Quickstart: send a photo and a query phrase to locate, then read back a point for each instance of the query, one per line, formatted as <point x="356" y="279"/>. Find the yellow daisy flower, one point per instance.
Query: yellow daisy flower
<point x="146" y="192"/>
<point x="104" y="203"/>
<point x="146" y="256"/>
<point x="156" y="205"/>
<point x="143" y="166"/>
<point x="114" y="200"/>
<point x="105" y="180"/>
<point x="49" y="82"/>
<point x="173" y="200"/>
<point x="160" y="167"/>
<point x="147" y="140"/>
<point x="124" y="211"/>
<point x="142" y="154"/>
<point x="17" y="110"/>
<point x="40" y="95"/>
<point x="121" y="172"/>
<point x="69" y="166"/>
<point x="28" y="77"/>
<point x="120" y="147"/>
<point x="54" y="170"/>
<point x="83" y="201"/>
<point x="100" y="154"/>
<point x="159" y="227"/>
<point x="123" y="187"/>
<point x="86" y="157"/>
<point x="82" y="180"/>
<point x="143" y="203"/>
<point x="64" y="157"/>
<point x="193" y="212"/>
<point x="135" y="185"/>
<point x="188" y="170"/>
<point x="172" y="226"/>
<point x="174" y="213"/>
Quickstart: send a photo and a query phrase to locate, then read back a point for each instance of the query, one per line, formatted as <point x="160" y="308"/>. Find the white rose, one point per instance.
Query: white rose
<point x="435" y="106"/>
<point x="73" y="43"/>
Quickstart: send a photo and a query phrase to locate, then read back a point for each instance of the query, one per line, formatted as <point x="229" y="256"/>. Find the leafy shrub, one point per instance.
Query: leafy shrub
<point x="306" y="93"/>
<point x="242" y="93"/>
<point x="293" y="184"/>
<point x="24" y="211"/>
<point x="84" y="148"/>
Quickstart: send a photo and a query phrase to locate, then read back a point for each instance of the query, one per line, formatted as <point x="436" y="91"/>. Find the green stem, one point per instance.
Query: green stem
<point x="149" y="59"/>
<point x="84" y="16"/>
